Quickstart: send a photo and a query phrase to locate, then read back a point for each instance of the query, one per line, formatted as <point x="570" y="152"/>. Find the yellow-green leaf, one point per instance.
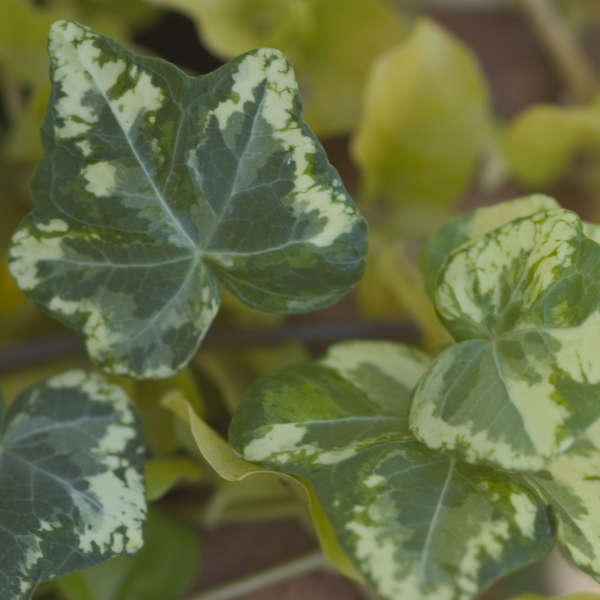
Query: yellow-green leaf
<point x="331" y="43"/>
<point x="541" y="143"/>
<point x="424" y="123"/>
<point x="162" y="474"/>
<point x="231" y="467"/>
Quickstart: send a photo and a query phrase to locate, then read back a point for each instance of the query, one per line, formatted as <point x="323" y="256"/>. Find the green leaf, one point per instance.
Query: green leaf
<point x="219" y="455"/>
<point x="471" y="225"/>
<point x="162" y="474"/>
<point x="331" y="44"/>
<point x="425" y="121"/>
<point x="521" y="385"/>
<point x="571" y="487"/>
<point x="71" y="474"/>
<point x="156" y="187"/>
<point x="162" y="570"/>
<point x="417" y="523"/>
<point x="542" y="142"/>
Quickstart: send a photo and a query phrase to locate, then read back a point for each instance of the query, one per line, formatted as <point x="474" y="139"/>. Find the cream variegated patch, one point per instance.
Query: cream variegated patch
<point x="487" y="218"/>
<point x="577" y="474"/>
<point x="282" y="442"/>
<point x="525" y="513"/>
<point x="276" y="107"/>
<point x="81" y="68"/>
<point x="28" y="249"/>
<point x="539" y="244"/>
<point x="401" y="363"/>
<point x="101" y="178"/>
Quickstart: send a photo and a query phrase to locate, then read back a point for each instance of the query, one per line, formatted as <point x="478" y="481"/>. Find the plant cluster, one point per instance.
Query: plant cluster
<point x="161" y="196"/>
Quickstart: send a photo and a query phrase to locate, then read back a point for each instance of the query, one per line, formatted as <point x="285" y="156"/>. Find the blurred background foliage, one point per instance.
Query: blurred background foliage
<point x="426" y="107"/>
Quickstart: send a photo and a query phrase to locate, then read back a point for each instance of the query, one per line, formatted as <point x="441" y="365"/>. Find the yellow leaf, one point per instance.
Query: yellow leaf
<point x="162" y="474"/>
<point x="541" y="143"/>
<point x="331" y="44"/>
<point x="219" y="455"/>
<point x="424" y="124"/>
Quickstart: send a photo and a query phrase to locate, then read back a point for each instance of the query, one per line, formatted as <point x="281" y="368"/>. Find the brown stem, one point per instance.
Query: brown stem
<point x="572" y="64"/>
<point x="52" y="348"/>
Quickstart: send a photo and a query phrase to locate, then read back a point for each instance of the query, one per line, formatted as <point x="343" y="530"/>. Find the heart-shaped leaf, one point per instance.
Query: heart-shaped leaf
<point x="523" y="300"/>
<point x="417" y="523"/>
<point x="156" y="186"/>
<point x="71" y="475"/>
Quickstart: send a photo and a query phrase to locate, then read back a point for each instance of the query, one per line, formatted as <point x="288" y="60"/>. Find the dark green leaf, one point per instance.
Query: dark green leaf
<point x="71" y="480"/>
<point x="155" y="187"/>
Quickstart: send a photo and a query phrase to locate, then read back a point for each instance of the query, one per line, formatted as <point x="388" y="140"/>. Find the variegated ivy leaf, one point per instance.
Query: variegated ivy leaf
<point x="417" y="523"/>
<point x="571" y="487"/>
<point x="522" y="384"/>
<point x="71" y="480"/>
<point x="471" y="225"/>
<point x="157" y="187"/>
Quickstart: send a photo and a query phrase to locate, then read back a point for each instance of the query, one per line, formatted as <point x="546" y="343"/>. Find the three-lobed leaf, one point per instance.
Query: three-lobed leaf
<point x="71" y="475"/>
<point x="419" y="524"/>
<point x="523" y="303"/>
<point x="155" y="188"/>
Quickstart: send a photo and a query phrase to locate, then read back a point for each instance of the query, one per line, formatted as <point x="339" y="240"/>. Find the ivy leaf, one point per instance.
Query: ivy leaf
<point x="417" y="523"/>
<point x="541" y="143"/>
<point x="219" y="455"/>
<point x="71" y="475"/>
<point x="425" y="122"/>
<point x="331" y="44"/>
<point x="521" y="385"/>
<point x="570" y="485"/>
<point x="155" y="187"/>
<point x="471" y="225"/>
<point x="162" y="570"/>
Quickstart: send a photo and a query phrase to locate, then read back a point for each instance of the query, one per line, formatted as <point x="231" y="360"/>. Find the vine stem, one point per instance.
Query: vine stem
<point x="299" y="566"/>
<point x="572" y="64"/>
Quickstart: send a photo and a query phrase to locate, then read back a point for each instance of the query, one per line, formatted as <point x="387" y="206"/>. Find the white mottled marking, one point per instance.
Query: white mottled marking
<point x="277" y="107"/>
<point x="488" y="543"/>
<point x="525" y="513"/>
<point x="26" y="251"/>
<point x="101" y="178"/>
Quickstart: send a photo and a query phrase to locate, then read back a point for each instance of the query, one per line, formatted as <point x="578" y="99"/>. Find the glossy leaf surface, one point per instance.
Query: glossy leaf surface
<point x="71" y="475"/>
<point x="156" y="187"/>
<point x="521" y="385"/>
<point x="417" y="523"/>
